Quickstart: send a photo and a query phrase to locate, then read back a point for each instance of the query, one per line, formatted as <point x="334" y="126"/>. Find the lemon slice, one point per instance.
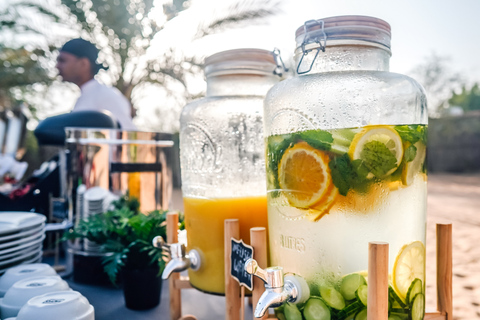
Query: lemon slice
<point x="323" y="206"/>
<point x="304" y="176"/>
<point x="386" y="135"/>
<point x="409" y="265"/>
<point x="412" y="168"/>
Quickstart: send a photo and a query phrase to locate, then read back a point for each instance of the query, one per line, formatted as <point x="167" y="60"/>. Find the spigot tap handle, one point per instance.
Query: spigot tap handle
<point x="273" y="276"/>
<point x="158" y="242"/>
<point x="251" y="266"/>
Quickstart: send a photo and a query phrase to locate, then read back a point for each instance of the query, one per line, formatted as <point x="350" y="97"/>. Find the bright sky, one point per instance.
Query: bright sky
<point x="419" y="28"/>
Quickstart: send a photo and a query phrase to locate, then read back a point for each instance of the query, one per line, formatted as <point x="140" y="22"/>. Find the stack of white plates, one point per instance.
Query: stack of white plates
<point x="96" y="200"/>
<point x="21" y="238"/>
<point x="80" y="201"/>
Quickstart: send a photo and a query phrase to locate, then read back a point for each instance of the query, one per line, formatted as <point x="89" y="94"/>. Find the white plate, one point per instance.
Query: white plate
<point x="20" y="252"/>
<point x="23" y="246"/>
<point x="22" y="257"/>
<point x="22" y="233"/>
<point x="12" y="221"/>
<point x="95" y="194"/>
<point x="36" y="258"/>
<point x="18" y="242"/>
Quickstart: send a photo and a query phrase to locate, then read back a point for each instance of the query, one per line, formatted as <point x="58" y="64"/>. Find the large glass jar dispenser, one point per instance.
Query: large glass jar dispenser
<point x="223" y="159"/>
<point x="345" y="143"/>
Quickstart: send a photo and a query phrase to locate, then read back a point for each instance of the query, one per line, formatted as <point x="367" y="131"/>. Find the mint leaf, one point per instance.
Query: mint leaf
<point x="318" y="139"/>
<point x="410" y="153"/>
<point x="341" y="172"/>
<point x="347" y="174"/>
<point x="378" y="158"/>
<point x="276" y="147"/>
<point x="412" y="133"/>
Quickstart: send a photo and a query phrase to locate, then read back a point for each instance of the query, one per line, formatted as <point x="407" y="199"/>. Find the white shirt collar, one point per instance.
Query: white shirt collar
<point x="89" y="84"/>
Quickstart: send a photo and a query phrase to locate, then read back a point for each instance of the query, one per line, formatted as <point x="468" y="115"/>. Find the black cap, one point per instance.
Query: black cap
<point x="83" y="49"/>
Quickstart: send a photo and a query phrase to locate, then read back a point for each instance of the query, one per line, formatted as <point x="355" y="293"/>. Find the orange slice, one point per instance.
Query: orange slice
<point x="305" y="177"/>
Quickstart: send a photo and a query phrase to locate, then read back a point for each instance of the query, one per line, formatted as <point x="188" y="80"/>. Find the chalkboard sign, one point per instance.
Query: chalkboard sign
<point x="241" y="252"/>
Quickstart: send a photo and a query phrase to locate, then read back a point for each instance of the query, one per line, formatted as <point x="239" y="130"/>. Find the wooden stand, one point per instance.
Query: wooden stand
<point x="377" y="271"/>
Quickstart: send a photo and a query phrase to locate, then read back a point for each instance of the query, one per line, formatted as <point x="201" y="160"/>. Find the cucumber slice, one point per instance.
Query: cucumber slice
<point x="350" y="317"/>
<point x="394" y="317"/>
<point x="415" y="288"/>
<point x="279" y="313"/>
<point x="362" y="315"/>
<point x="291" y="312"/>
<point x="362" y="294"/>
<point x="349" y="311"/>
<point x="316" y="309"/>
<point x="394" y="295"/>
<point x="400" y="316"/>
<point x="350" y="284"/>
<point x="332" y="297"/>
<point x="417" y="310"/>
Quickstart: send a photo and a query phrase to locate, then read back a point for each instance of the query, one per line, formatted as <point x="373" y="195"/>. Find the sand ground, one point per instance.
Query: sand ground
<point x="455" y="199"/>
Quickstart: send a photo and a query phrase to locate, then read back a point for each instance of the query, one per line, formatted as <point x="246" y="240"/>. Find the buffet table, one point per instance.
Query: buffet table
<point x="109" y="304"/>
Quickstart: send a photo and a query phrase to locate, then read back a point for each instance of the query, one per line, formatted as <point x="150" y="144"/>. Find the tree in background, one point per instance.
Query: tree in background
<point x="23" y="60"/>
<point x="142" y="41"/>
<point x="468" y="100"/>
<point x="438" y="80"/>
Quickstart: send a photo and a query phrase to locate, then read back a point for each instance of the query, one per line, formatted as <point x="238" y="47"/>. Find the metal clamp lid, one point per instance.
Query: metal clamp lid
<point x="280" y="68"/>
<point x="319" y="38"/>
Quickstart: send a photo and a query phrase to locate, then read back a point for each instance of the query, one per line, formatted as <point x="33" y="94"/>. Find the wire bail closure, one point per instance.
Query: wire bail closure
<point x="322" y="37"/>
<point x="280" y="68"/>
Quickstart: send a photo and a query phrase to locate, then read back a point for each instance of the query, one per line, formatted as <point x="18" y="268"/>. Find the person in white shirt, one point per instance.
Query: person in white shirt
<point x="77" y="63"/>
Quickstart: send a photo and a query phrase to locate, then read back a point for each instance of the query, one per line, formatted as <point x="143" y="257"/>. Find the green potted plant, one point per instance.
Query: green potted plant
<point x="126" y="234"/>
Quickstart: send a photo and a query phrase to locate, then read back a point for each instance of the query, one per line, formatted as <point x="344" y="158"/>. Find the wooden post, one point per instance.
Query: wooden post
<point x="174" y="293"/>
<point x="444" y="270"/>
<point x="377" y="307"/>
<point x="258" y="240"/>
<point x="232" y="289"/>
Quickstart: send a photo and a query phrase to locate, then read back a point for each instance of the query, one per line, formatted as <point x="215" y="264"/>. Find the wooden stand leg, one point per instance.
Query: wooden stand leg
<point x="444" y="270"/>
<point x="232" y="289"/>
<point x="377" y="307"/>
<point x="174" y="293"/>
<point x="258" y="240"/>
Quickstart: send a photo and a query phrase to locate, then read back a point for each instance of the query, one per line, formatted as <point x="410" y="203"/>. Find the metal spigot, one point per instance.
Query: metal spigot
<point x="278" y="289"/>
<point x="179" y="259"/>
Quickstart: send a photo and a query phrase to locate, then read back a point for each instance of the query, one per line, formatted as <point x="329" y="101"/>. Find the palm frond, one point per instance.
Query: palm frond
<point x="239" y="14"/>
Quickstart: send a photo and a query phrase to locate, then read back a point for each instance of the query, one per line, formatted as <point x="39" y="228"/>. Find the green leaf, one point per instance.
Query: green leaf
<point x="113" y="263"/>
<point x="410" y="153"/>
<point x="318" y="139"/>
<point x="347" y="174"/>
<point x="412" y="133"/>
<point x="276" y="147"/>
<point x="378" y="158"/>
<point x="341" y="171"/>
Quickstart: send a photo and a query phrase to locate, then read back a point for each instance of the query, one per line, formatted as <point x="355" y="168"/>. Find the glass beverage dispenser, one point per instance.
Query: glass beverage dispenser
<point x="222" y="158"/>
<point x="346" y="145"/>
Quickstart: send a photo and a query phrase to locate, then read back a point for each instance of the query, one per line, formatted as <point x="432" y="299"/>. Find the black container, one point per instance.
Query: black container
<point x="88" y="269"/>
<point x="141" y="288"/>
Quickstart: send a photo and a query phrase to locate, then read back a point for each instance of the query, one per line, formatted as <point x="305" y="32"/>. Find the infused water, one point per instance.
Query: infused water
<point x="331" y="192"/>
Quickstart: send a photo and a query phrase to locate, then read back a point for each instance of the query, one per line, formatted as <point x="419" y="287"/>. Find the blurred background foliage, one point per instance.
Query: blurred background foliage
<point x="124" y="31"/>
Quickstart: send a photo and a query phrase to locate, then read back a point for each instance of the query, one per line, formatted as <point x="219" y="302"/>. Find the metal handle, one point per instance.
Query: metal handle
<point x="273" y="276"/>
<point x="158" y="242"/>
<point x="320" y="42"/>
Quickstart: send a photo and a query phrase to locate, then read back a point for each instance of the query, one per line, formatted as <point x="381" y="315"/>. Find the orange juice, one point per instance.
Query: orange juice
<point x="204" y="222"/>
